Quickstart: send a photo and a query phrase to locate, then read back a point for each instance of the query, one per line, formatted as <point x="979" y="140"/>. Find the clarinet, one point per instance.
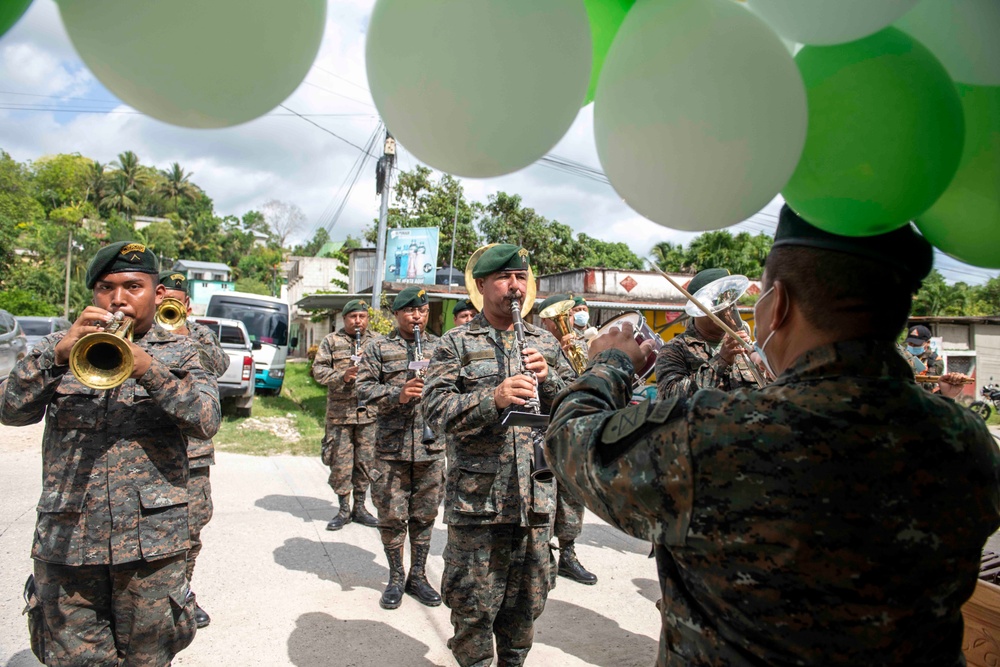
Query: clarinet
<point x="540" y="469"/>
<point x="362" y="408"/>
<point x="428" y="436"/>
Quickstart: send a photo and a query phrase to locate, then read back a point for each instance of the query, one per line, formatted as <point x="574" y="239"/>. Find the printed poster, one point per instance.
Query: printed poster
<point x="411" y="255"/>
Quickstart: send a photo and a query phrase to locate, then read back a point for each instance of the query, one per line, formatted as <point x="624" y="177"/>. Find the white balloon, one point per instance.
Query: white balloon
<point x="700" y="113"/>
<point x="478" y="88"/>
<point x="830" y="21"/>
<point x="197" y="63"/>
<point x="963" y="34"/>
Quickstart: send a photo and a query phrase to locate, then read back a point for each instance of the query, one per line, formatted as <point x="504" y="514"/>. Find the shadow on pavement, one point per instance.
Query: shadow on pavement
<point x="23" y="658"/>
<point x="603" y="643"/>
<point x="302" y="507"/>
<point x="607" y="537"/>
<point x="647" y="588"/>
<point x="318" y="637"/>
<point x="343" y="564"/>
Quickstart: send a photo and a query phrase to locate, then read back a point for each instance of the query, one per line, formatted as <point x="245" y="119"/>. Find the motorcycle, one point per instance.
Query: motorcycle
<point x="991" y="393"/>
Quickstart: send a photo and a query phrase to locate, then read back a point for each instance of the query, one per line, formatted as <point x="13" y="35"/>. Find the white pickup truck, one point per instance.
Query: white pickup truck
<point x="236" y="386"/>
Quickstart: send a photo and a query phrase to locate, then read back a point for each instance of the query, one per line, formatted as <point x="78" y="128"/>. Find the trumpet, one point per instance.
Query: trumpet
<point x="356" y="360"/>
<point x="171" y="314"/>
<point x="419" y="367"/>
<point x="103" y="359"/>
<point x="559" y="313"/>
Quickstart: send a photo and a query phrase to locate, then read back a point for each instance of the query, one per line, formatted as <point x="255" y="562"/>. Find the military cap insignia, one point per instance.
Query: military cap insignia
<point x="420" y="294"/>
<point x="914" y="333"/>
<point x="523" y="254"/>
<point x="177" y="276"/>
<point x="362" y="304"/>
<point x="133" y="248"/>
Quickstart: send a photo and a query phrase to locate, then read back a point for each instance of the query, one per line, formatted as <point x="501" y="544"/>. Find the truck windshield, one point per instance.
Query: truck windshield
<point x="267" y="323"/>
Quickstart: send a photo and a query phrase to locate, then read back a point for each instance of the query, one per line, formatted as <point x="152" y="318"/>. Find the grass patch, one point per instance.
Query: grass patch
<point x="301" y="407"/>
<point x="994" y="419"/>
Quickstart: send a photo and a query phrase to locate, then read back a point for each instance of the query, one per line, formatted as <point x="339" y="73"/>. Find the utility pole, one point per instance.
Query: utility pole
<point x="69" y="261"/>
<point x="383" y="184"/>
<point x="454" y="229"/>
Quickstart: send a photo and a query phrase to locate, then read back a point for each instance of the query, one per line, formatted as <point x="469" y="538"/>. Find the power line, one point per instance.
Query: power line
<point x="332" y="92"/>
<point x="328" y="131"/>
<point x="356" y="85"/>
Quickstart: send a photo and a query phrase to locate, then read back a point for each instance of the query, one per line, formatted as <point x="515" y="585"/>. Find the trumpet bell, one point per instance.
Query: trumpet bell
<point x="171" y="314"/>
<point x="718" y="295"/>
<point x="101" y="360"/>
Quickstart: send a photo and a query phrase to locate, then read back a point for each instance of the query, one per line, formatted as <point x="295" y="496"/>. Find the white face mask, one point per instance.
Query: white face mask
<point x="759" y="349"/>
<point x="581" y="319"/>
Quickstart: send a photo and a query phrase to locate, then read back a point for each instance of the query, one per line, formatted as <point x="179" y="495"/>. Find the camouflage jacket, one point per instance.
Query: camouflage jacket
<point x="381" y="378"/>
<point x="114" y="463"/>
<point x="835" y="517"/>
<point x="201" y="453"/>
<point x="687" y="363"/>
<point x="489" y="466"/>
<point x="333" y="358"/>
<point x="933" y="361"/>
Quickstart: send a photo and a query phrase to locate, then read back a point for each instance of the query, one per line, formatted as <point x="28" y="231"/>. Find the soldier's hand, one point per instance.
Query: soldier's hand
<point x="731" y="348"/>
<point x="567" y="341"/>
<point x="85" y="324"/>
<point x="535" y="362"/>
<point x="412" y="390"/>
<point x="621" y="339"/>
<point x="142" y="361"/>
<point x="951" y="384"/>
<point x="351" y="374"/>
<point x="515" y="390"/>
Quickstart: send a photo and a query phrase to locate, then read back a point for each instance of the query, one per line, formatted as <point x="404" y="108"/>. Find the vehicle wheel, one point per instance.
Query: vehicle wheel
<point x="981" y="409"/>
<point x="243" y="412"/>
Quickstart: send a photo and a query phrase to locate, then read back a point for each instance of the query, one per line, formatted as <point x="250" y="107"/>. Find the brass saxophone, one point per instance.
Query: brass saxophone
<point x="419" y="366"/>
<point x="532" y="415"/>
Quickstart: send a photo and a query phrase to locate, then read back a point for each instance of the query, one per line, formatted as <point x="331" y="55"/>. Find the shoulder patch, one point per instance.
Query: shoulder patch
<point x="625" y="422"/>
<point x="663" y="409"/>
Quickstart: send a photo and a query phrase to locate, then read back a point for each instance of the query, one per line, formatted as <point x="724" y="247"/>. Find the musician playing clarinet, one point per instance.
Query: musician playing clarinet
<point x="498" y="568"/>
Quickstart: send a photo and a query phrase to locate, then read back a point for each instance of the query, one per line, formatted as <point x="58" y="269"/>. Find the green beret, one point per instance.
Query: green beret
<point x="411" y="296"/>
<point x="355" y="305"/>
<point x="705" y="277"/>
<point x="501" y="257"/>
<point x="121" y="257"/>
<point x="173" y="280"/>
<point x="903" y="248"/>
<point x="579" y="301"/>
<point x="463" y="304"/>
<point x="555" y="298"/>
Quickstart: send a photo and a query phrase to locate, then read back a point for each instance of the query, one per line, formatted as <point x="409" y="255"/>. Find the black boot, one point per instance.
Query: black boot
<point x="393" y="594"/>
<point x="360" y="513"/>
<point x="570" y="567"/>
<point x="343" y="516"/>
<point x="417" y="584"/>
<point x="201" y="618"/>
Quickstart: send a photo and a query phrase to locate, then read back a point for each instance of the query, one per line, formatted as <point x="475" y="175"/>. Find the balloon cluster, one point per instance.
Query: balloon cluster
<point x="888" y="112"/>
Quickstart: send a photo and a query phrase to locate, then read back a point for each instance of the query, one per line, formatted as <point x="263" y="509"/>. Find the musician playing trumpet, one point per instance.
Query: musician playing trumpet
<point x="497" y="564"/>
<point x="703" y="356"/>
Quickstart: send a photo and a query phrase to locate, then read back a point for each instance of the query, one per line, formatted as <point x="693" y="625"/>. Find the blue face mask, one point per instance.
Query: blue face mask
<point x="759" y="349"/>
<point x="915" y="350"/>
<point x="581" y="319"/>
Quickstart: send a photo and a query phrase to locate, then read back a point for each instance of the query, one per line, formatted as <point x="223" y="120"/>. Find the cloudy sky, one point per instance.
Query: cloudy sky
<point x="50" y="103"/>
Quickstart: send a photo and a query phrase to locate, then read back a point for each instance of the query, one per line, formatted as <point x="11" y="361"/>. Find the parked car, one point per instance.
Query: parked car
<point x="236" y="386"/>
<point x="37" y="328"/>
<point x="13" y="344"/>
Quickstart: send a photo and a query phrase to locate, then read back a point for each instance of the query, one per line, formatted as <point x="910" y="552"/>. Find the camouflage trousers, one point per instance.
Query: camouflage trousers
<point x="407" y="496"/>
<point x="568" y="523"/>
<point x="200" y="510"/>
<point x="496" y="579"/>
<point x="349" y="450"/>
<point x="132" y="615"/>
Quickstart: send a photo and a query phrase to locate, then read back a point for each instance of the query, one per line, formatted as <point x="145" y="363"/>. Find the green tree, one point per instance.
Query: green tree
<point x="19" y="210"/>
<point x="21" y="302"/>
<point x="121" y="197"/>
<point x="552" y="245"/>
<point x="933" y="297"/>
<point x="61" y="179"/>
<point x="310" y="249"/>
<point x="608" y="254"/>
<point x="131" y="169"/>
<point x="97" y="183"/>
<point x="742" y="254"/>
<point x="176" y="185"/>
<point x="262" y="264"/>
<point x="253" y="286"/>
<point x="670" y="257"/>
<point x="161" y="238"/>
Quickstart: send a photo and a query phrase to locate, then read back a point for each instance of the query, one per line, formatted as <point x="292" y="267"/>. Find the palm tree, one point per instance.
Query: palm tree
<point x="121" y="196"/>
<point x="177" y="185"/>
<point x="129" y="166"/>
<point x="97" y="183"/>
<point x="669" y="257"/>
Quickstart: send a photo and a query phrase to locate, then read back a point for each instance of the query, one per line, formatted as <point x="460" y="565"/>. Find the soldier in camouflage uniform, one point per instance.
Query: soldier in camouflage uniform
<point x="112" y="527"/>
<point x="918" y="343"/>
<point x="408" y="475"/>
<point x="463" y="312"/>
<point x="568" y="522"/>
<point x="835" y="517"/>
<point x="703" y="357"/>
<point x="201" y="453"/>
<point x="348" y="448"/>
<point x="497" y="563"/>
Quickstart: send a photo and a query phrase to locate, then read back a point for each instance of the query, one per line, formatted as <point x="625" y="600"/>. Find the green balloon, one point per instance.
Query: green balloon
<point x="965" y="221"/>
<point x="606" y="17"/>
<point x="10" y="12"/>
<point x="885" y="134"/>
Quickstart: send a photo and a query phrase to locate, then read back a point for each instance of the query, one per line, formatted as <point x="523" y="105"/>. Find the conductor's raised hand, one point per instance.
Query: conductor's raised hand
<point x="535" y="362"/>
<point x="92" y="319"/>
<point x="515" y="390"/>
<point x="620" y="339"/>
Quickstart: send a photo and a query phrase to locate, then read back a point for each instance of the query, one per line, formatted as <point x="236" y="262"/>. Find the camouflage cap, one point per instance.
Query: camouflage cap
<point x="902" y="248"/>
<point x="121" y="257"/>
<point x="355" y="305"/>
<point x="411" y="296"/>
<point x="705" y="277"/>
<point x="501" y="257"/>
<point x="173" y="280"/>
<point x="463" y="304"/>
<point x="555" y="298"/>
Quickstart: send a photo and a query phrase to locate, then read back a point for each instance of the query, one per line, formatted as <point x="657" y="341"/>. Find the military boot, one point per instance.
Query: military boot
<point x="343" y="516"/>
<point x="201" y="618"/>
<point x="570" y="567"/>
<point x="360" y="513"/>
<point x="393" y="594"/>
<point x="416" y="583"/>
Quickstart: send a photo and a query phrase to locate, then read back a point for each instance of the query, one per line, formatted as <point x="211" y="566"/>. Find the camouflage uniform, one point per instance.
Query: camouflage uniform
<point x="498" y="567"/>
<point x="109" y="548"/>
<point x="688" y="363"/>
<point x="408" y="476"/>
<point x="350" y="437"/>
<point x="201" y="453"/>
<point x="834" y="517"/>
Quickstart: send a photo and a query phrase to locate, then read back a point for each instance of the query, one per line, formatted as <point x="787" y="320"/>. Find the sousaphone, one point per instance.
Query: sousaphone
<point x="476" y="297"/>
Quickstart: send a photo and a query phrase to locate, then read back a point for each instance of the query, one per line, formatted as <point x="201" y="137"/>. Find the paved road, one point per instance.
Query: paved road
<point x="283" y="591"/>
